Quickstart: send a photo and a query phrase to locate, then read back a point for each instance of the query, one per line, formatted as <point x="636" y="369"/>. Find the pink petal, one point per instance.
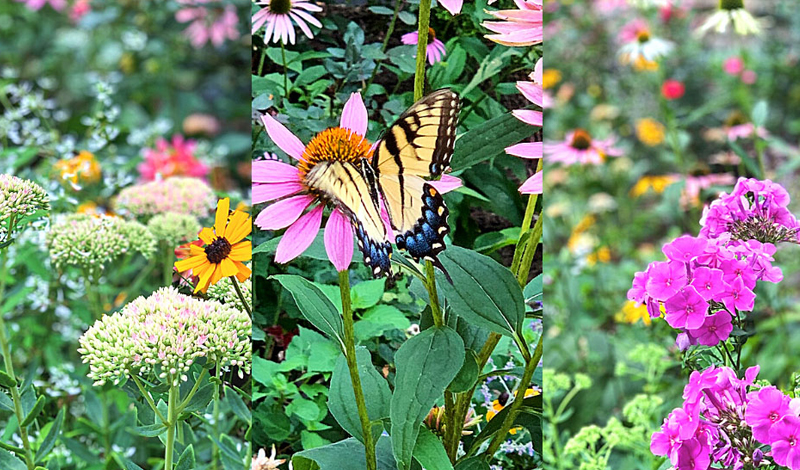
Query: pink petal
<point x="538" y="71"/>
<point x="339" y="240"/>
<point x="299" y="236"/>
<point x="354" y="115"/>
<point x="446" y="184"/>
<point x="387" y="221"/>
<point x="453" y="6"/>
<point x="283" y="137"/>
<point x="533" y="92"/>
<point x="528" y="116"/>
<point x="410" y="38"/>
<point x="271" y="191"/>
<point x="533" y="185"/>
<point x="526" y="150"/>
<point x="270" y="171"/>
<point x="283" y="213"/>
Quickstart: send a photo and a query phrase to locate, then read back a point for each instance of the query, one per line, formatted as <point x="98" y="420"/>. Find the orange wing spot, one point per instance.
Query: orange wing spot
<point x="432" y="192"/>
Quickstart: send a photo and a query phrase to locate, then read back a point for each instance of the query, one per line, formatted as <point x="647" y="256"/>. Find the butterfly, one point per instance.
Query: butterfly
<point x="414" y="150"/>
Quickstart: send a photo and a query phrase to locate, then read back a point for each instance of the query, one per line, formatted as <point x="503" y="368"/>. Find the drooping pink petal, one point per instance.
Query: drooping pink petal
<point x="283" y="137"/>
<point x="339" y="240"/>
<point x="453" y="6"/>
<point x="387" y="222"/>
<point x="533" y="185"/>
<point x="270" y="171"/>
<point x="533" y="92"/>
<point x="410" y="38"/>
<point x="299" y="236"/>
<point x="283" y="213"/>
<point x="446" y="184"/>
<point x="354" y="115"/>
<point x="538" y="71"/>
<point x="528" y="116"/>
<point x="271" y="191"/>
<point x="526" y="150"/>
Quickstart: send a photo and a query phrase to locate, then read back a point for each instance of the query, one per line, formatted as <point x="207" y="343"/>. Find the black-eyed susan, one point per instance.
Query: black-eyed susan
<point x="497" y="407"/>
<point x="224" y="249"/>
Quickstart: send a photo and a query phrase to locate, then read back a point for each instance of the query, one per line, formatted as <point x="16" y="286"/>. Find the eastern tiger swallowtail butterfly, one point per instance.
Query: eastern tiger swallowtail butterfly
<point x="414" y="150"/>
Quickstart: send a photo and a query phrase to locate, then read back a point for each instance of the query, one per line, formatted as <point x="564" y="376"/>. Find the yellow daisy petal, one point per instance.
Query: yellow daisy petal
<point x="204" y="277"/>
<point x="244" y="271"/>
<point x="242" y="251"/>
<point x="239" y="227"/>
<point x="190" y="263"/>
<point x="221" y="219"/>
<point x="207" y="235"/>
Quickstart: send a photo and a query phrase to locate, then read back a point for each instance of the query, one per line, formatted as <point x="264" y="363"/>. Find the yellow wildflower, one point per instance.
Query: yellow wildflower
<point x="632" y="313"/>
<point x="650" y="132"/>
<point x="550" y="78"/>
<point x="80" y="169"/>
<point x="658" y="183"/>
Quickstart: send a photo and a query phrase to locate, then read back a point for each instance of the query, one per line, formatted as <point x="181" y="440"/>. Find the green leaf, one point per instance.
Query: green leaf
<point x="429" y="451"/>
<point x="379" y="319"/>
<point x="151" y="430"/>
<point x="6" y="380"/>
<point x="6" y="403"/>
<point x="426" y="364"/>
<point x="467" y="376"/>
<point x="407" y="18"/>
<point x="49" y="440"/>
<point x="237" y="405"/>
<point x="473" y="463"/>
<point x="533" y="291"/>
<point x="304" y="409"/>
<point x="493" y="241"/>
<point x="9" y="462"/>
<point x="489" y="140"/>
<point x="342" y="400"/>
<point x="490" y="67"/>
<point x="35" y="411"/>
<point x="314" y="305"/>
<point x="381" y="10"/>
<point x="760" y="113"/>
<point x="186" y="461"/>
<point x="311" y="440"/>
<point x="130" y="465"/>
<point x="347" y="454"/>
<point x="483" y="292"/>
<point x="366" y="294"/>
<point x="201" y="398"/>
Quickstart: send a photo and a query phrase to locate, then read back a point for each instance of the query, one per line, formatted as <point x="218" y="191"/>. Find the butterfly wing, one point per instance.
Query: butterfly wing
<point x="354" y="192"/>
<point x="418" y="146"/>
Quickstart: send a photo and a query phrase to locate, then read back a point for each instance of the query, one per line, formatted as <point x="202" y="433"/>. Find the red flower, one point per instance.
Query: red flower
<point x="672" y="89"/>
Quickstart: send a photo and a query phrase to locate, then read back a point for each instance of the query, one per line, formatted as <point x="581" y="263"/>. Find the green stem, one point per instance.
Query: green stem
<point x="261" y="61"/>
<point x="285" y="71"/>
<point x="215" y="451"/>
<point x="238" y="289"/>
<point x="352" y="365"/>
<point x="4" y="343"/>
<point x="530" y="251"/>
<point x="452" y="432"/>
<point x="530" y="209"/>
<point x="149" y="399"/>
<point x="527" y="377"/>
<point x="172" y="414"/>
<point x="422" y="46"/>
<point x="169" y="254"/>
<point x="194" y="389"/>
<point x="430" y="284"/>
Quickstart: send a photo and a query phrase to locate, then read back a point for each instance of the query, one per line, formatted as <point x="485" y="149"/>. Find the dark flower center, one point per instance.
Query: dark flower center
<point x="581" y="139"/>
<point x="643" y="35"/>
<point x="731" y="4"/>
<point x="280" y="7"/>
<point x="431" y="35"/>
<point x="736" y="118"/>
<point x="218" y="250"/>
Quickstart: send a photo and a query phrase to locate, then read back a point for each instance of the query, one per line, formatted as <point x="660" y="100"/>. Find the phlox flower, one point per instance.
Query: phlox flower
<point x="579" y="147"/>
<point x="693" y="456"/>
<point x="731" y="12"/>
<point x="522" y="27"/>
<point x="207" y="23"/>
<point x="708" y="282"/>
<point x="36" y="5"/>
<point x="666" y="279"/>
<point x="737" y="296"/>
<point x="287" y="186"/>
<point x="278" y="16"/>
<point x="175" y="158"/>
<point x="784" y="437"/>
<point x="715" y="328"/>
<point x="639" y="44"/>
<point x="685" y="248"/>
<point x="686" y="309"/>
<point x="765" y="408"/>
<point x="434" y="51"/>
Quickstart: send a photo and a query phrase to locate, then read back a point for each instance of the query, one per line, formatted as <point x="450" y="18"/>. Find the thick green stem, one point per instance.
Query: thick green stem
<point x="433" y="294"/>
<point x="452" y="428"/>
<point x="530" y="209"/>
<point x="422" y="47"/>
<point x="4" y="343"/>
<point x="530" y="250"/>
<point x="352" y="365"/>
<point x="215" y="451"/>
<point x="172" y="424"/>
<point x="238" y="289"/>
<point x="169" y="255"/>
<point x="527" y="377"/>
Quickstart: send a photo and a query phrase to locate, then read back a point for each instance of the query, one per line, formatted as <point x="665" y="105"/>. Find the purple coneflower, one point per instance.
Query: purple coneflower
<point x="523" y="27"/>
<point x="278" y="16"/>
<point x="435" y="50"/>
<point x="532" y="90"/>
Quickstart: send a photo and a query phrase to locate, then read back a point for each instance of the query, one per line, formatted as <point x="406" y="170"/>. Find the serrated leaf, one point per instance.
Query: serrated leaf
<point x="425" y="364"/>
<point x="483" y="292"/>
<point x="342" y="400"/>
<point x="314" y="305"/>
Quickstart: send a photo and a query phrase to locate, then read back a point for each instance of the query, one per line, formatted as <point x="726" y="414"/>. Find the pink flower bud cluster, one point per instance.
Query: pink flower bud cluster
<point x="183" y="195"/>
<point x="161" y="336"/>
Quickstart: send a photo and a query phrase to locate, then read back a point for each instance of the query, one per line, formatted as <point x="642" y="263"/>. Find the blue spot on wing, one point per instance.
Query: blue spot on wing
<point x="425" y="240"/>
<point x="377" y="254"/>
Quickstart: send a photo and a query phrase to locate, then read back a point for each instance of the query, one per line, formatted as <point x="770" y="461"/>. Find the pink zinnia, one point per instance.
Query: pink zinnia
<point x="579" y="147"/>
<point x="288" y="185"/>
<point x="278" y="16"/>
<point x="532" y="90"/>
<point x="733" y="65"/>
<point x="38" y="4"/>
<point x="435" y="50"/>
<point x="523" y="27"/>
<point x="169" y="159"/>
<point x="208" y="24"/>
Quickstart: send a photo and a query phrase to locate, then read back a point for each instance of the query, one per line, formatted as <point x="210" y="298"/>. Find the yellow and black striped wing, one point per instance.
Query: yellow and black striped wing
<point x="353" y="190"/>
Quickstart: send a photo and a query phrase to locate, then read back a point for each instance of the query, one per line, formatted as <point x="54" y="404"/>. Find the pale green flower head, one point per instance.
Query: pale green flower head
<point x="224" y="292"/>
<point x="554" y="382"/>
<point x="159" y="338"/>
<point x="642" y="409"/>
<point x="19" y="199"/>
<point x="183" y="195"/>
<point x="90" y="242"/>
<point x="585" y="440"/>
<point x="174" y="228"/>
<point x="583" y="381"/>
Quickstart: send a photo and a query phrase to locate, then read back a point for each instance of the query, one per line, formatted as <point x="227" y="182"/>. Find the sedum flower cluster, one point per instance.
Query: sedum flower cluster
<point x="163" y="335"/>
<point x="179" y="194"/>
<point x="708" y="280"/>
<point x="90" y="242"/>
<point x="224" y="292"/>
<point x="19" y="198"/>
<point x="727" y="421"/>
<point x="174" y="228"/>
